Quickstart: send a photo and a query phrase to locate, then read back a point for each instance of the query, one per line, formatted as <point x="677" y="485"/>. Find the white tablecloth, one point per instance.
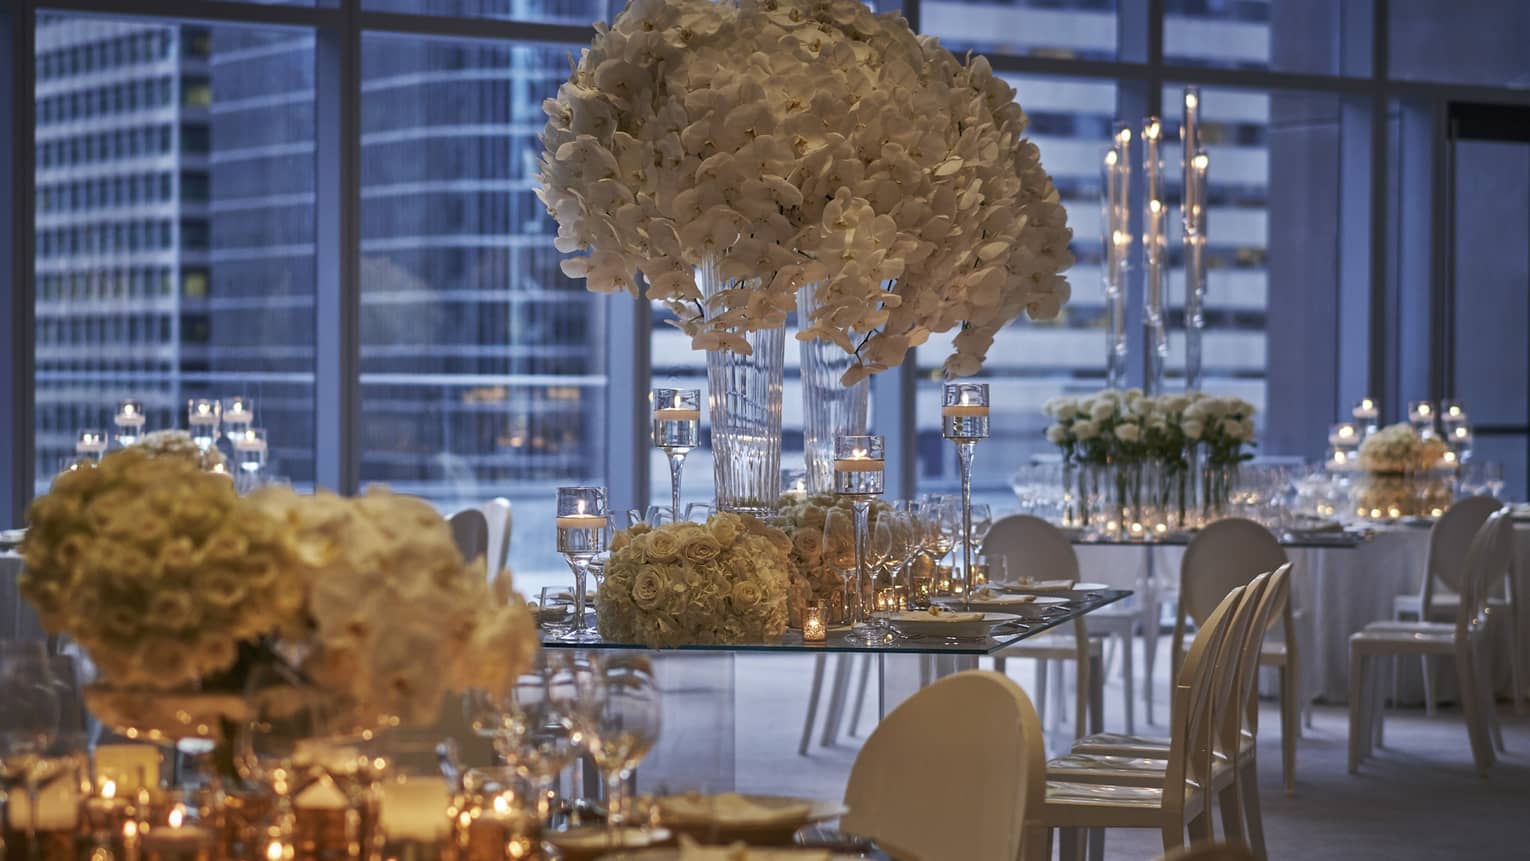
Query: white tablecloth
<point x="1339" y="590"/>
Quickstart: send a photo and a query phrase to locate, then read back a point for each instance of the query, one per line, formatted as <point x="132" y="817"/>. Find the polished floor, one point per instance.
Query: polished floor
<point x="1418" y="798"/>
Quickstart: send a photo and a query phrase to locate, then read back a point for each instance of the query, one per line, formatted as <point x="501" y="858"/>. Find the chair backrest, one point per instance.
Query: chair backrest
<point x="1191" y="721"/>
<point x="1245" y="707"/>
<point x="1487" y="562"/>
<point x="497" y="513"/>
<point x="470" y="530"/>
<point x="1031" y="548"/>
<point x="1230" y="552"/>
<point x="1449" y="541"/>
<point x="952" y="772"/>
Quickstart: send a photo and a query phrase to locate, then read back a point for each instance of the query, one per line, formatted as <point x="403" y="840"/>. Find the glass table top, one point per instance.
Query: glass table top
<point x="1002" y="634"/>
<point x="1296" y="540"/>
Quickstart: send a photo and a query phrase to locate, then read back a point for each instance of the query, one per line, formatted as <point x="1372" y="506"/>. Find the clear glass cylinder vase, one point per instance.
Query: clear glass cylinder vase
<point x="828" y="406"/>
<point x="744" y="397"/>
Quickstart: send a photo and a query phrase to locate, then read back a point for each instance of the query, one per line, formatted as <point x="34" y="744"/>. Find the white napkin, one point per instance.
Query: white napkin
<point x="933" y="616"/>
<point x="1041" y="585"/>
<point x="989" y="596"/>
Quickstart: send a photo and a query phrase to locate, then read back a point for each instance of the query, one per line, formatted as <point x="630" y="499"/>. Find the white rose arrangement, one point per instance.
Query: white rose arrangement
<point x="794" y="142"/>
<point x="721" y="582"/>
<point x="813" y="576"/>
<point x="1399" y="449"/>
<point x="396" y="618"/>
<point x="158" y="569"/>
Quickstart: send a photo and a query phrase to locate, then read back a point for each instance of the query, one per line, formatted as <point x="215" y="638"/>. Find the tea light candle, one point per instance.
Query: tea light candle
<point x="964" y="410"/>
<point x="1421" y="412"/>
<point x="177" y="841"/>
<point x="1365" y="410"/>
<point x="1452" y="412"/>
<point x="92" y="442"/>
<point x="221" y="469"/>
<point x="858" y="461"/>
<point x="415" y="809"/>
<point x="677" y="414"/>
<point x="813" y="628"/>
<point x="130" y="414"/>
<point x="251" y="439"/>
<point x="129" y="767"/>
<point x="1344" y="434"/>
<point x="202" y="411"/>
<point x="581" y="520"/>
<point x="858" y="465"/>
<point x="238" y="410"/>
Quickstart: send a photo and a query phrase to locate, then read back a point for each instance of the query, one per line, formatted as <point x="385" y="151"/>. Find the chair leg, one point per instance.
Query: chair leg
<point x="1060" y="702"/>
<point x="1489" y="702"/>
<point x="1230" y="800"/>
<point x="1096" y="687"/>
<point x="1290" y="727"/>
<point x="1471" y="705"/>
<point x="812" y="709"/>
<point x="1359" y="721"/>
<point x="837" y="695"/>
<point x="1201" y="826"/>
<point x="1149" y="660"/>
<point x="1096" y="839"/>
<point x="1253" y="816"/>
<point x="1378" y="711"/>
<point x="1128" y="681"/>
<point x="1001" y="665"/>
<point x="860" y="695"/>
<point x="1041" y="690"/>
<point x="1426" y="665"/>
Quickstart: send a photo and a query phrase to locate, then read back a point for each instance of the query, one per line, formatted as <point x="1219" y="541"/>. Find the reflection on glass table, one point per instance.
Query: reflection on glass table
<point x="1002" y="633"/>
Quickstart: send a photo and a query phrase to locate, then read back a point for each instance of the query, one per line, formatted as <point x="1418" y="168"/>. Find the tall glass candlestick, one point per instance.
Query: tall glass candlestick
<point x="1118" y="245"/>
<point x="964" y="421"/>
<point x="1367" y="415"/>
<point x="581" y="522"/>
<point x="859" y="460"/>
<point x="129" y="421"/>
<point x="1155" y="347"/>
<point x="676" y="430"/>
<point x="202" y="418"/>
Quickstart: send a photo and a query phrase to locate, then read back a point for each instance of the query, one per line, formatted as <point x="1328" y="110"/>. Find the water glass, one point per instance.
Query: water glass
<point x="29" y="721"/>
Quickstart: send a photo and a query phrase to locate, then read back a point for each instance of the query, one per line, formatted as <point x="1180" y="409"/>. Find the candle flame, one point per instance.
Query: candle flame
<point x="1191" y="100"/>
<point x="501" y="805"/>
<point x="1200" y="161"/>
<point x="177" y="816"/>
<point x="1462" y="433"/>
<point x="127" y="409"/>
<point x="1151" y="130"/>
<point x="1156" y="206"/>
<point x="1124" y="136"/>
<point x="108" y="789"/>
<point x="1110" y="158"/>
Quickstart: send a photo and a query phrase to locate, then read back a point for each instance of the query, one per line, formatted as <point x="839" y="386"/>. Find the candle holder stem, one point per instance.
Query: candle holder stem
<point x="580" y="632"/>
<point x="964" y="452"/>
<point x="862" y="628"/>
<point x="676" y="463"/>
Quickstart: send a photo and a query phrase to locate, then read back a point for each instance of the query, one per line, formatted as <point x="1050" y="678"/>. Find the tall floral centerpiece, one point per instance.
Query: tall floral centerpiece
<point x="720" y="157"/>
<point x="1403" y="474"/>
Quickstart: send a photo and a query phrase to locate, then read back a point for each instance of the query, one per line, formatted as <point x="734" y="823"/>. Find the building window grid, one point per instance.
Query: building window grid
<point x="1378" y="87"/>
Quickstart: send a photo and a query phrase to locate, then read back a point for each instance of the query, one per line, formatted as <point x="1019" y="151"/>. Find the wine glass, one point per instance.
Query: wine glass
<point x="859" y="462"/>
<point x="676" y="430"/>
<point x="904" y="545"/>
<point x="540" y="737"/>
<point x="699" y="512"/>
<point x="982" y="521"/>
<point x="625" y="717"/>
<point x="269" y="747"/>
<point x="839" y="554"/>
<point x="658" y="515"/>
<point x="29" y="722"/>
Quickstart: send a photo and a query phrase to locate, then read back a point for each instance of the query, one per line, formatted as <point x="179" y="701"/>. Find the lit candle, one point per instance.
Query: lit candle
<point x="177" y="841"/>
<point x="858" y="461"/>
<point x="128" y="767"/>
<point x="130" y="414"/>
<point x="415" y="809"/>
<point x="813" y="629"/>
<point x="1461" y="433"/>
<point x="964" y="410"/>
<point x="250" y="440"/>
<point x="580" y="520"/>
<point x="202" y="412"/>
<point x="1365" y="410"/>
<point x="90" y="442"/>
<point x="220" y="469"/>
<point x="677" y="414"/>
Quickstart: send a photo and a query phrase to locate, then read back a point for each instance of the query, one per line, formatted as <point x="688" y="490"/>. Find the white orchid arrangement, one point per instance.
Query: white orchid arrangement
<point x="721" y="582"/>
<point x="1399" y="449"/>
<point x="794" y="142"/>
<point x="1113" y="426"/>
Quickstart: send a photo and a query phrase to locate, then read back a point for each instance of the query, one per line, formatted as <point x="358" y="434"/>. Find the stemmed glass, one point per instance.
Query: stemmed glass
<point x="858" y="475"/>
<point x="582" y="535"/>
<point x="269" y="748"/>
<point x="676" y="430"/>
<point x="539" y="737"/>
<point x="964" y="421"/>
<point x="839" y="554"/>
<point x="625" y="713"/>
<point x="29" y="722"/>
<point x="879" y="557"/>
<point x="904" y="545"/>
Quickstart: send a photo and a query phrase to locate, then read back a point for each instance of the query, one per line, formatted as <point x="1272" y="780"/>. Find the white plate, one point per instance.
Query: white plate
<point x="934" y="626"/>
<point x="1032" y="609"/>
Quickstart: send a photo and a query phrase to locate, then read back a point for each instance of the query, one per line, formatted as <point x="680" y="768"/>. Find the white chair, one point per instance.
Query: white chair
<point x="496" y="512"/>
<point x="1143" y="761"/>
<point x="1231" y="552"/>
<point x="1033" y="548"/>
<point x="951" y="772"/>
<point x="1465" y="641"/>
<point x="839" y="696"/>
<point x="1439" y="597"/>
<point x="1210" y="852"/>
<point x="470" y="531"/>
<point x="1179" y="799"/>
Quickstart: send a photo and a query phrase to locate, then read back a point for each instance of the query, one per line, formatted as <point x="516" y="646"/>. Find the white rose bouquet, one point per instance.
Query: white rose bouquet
<point x="1399" y="449"/>
<point x="793" y="142"/>
<point x="813" y="577"/>
<point x="159" y="569"/>
<point x="396" y="618"/>
<point x="1225" y="427"/>
<point x="721" y="582"/>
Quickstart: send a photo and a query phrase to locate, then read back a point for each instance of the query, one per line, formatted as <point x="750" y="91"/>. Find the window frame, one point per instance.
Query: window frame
<point x="1139" y="71"/>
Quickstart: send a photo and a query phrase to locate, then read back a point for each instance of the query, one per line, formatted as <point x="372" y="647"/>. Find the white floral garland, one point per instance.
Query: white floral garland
<point x="793" y="142"/>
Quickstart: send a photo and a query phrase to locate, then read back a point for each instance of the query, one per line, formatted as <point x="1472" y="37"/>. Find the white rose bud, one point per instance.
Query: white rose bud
<point x="1067" y="410"/>
<point x="1232" y="428"/>
<point x="1192" y="429"/>
<point x="1084" y="430"/>
<point x="1128" y="432"/>
<point x="1248" y="428"/>
<point x="1102" y="410"/>
<point x="1057" y="434"/>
